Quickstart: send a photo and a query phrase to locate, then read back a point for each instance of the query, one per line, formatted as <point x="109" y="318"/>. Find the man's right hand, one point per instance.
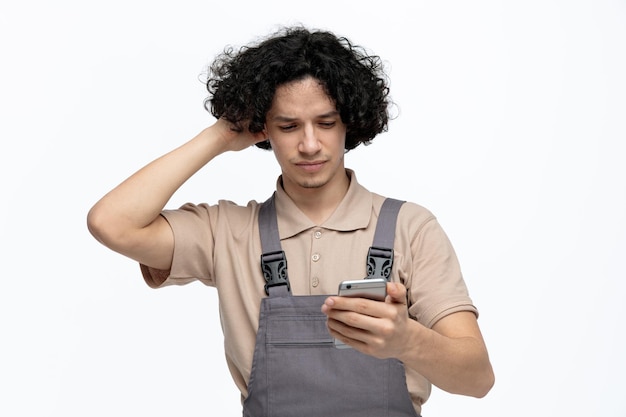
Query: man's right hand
<point x="235" y="137"/>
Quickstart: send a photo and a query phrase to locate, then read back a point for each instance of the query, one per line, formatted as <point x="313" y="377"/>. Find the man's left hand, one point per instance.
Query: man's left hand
<point x="375" y="328"/>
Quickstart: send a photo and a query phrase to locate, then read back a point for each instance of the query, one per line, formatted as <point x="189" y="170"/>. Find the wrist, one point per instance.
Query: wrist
<point x="216" y="138"/>
<point x="417" y="336"/>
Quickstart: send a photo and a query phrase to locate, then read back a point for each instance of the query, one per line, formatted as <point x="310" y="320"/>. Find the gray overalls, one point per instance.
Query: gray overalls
<point x="296" y="370"/>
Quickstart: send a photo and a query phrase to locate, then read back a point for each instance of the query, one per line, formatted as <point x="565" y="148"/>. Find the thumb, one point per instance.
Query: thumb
<point x="396" y="292"/>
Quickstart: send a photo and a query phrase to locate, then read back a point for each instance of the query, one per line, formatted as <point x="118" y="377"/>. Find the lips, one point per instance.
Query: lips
<point x="312" y="166"/>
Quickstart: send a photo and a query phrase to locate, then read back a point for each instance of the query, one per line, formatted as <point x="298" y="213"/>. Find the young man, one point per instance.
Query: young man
<point x="310" y="97"/>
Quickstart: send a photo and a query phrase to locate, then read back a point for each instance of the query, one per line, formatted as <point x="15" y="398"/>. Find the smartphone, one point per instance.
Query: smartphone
<point x="374" y="289"/>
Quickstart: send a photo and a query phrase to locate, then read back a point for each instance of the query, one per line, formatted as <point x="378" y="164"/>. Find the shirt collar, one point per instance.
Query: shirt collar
<point x="352" y="213"/>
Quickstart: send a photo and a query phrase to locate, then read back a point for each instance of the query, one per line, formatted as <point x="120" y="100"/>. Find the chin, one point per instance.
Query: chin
<point x="313" y="183"/>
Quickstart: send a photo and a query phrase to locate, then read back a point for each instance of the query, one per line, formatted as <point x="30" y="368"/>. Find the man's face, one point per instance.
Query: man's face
<point x="307" y="136"/>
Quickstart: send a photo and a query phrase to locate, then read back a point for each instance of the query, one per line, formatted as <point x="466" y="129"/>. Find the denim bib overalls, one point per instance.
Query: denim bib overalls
<point x="296" y="370"/>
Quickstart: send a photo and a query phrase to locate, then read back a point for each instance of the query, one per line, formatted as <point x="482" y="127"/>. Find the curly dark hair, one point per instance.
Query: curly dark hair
<point x="242" y="83"/>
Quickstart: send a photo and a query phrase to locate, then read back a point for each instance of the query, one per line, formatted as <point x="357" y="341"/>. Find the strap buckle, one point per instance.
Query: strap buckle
<point x="379" y="262"/>
<point x="274" y="268"/>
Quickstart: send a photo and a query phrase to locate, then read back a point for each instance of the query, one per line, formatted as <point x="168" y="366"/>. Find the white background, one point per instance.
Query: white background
<point x="511" y="129"/>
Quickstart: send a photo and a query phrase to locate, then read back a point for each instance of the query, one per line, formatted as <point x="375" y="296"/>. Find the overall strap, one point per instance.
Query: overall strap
<point x="380" y="255"/>
<point x="273" y="260"/>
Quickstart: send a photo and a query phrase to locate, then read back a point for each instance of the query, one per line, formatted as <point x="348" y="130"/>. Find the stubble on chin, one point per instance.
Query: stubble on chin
<point x="313" y="184"/>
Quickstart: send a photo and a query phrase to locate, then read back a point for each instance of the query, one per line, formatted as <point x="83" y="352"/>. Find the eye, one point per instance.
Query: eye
<point x="327" y="125"/>
<point x="287" y="128"/>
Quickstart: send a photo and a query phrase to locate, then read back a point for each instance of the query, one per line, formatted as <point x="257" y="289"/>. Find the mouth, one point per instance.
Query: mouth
<point x="311" y="166"/>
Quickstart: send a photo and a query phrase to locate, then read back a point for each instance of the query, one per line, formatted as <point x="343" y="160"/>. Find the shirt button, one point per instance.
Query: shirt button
<point x="315" y="282"/>
<point x="318" y="234"/>
<point x="315" y="257"/>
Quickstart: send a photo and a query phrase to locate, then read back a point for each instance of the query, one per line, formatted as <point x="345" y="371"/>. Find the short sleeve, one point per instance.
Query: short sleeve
<point x="192" y="226"/>
<point x="430" y="270"/>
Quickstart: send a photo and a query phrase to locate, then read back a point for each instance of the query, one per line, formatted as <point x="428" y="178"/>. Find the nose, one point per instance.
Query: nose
<point x="309" y="143"/>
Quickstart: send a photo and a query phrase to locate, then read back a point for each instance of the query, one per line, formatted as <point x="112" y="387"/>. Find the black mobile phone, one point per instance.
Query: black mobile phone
<point x="374" y="289"/>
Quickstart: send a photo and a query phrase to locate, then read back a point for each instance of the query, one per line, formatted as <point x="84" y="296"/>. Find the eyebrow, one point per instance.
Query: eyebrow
<point x="280" y="118"/>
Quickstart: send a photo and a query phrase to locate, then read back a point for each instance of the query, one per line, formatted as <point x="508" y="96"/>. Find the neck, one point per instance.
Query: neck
<point x="319" y="203"/>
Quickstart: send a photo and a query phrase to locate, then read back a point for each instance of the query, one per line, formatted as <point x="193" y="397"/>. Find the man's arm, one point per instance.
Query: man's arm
<point x="127" y="219"/>
<point x="452" y="355"/>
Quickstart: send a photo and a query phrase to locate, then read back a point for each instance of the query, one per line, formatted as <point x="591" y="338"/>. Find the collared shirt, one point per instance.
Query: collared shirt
<point x="220" y="246"/>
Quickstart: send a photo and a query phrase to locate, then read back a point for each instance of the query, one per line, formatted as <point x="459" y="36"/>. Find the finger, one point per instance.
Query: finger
<point x="348" y="321"/>
<point x="342" y="330"/>
<point x="358" y="305"/>
<point x="396" y="292"/>
<point x="363" y="340"/>
<point x="235" y="126"/>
